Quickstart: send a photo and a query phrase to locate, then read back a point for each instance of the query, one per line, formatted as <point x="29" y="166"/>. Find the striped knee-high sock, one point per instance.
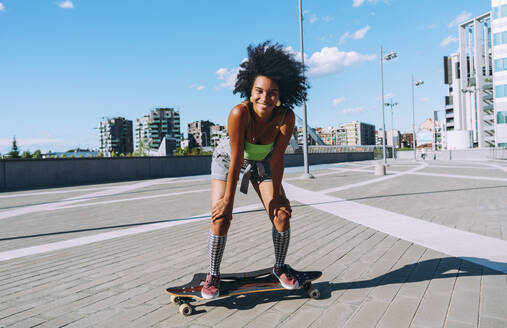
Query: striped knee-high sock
<point x="281" y="243"/>
<point x="216" y="246"/>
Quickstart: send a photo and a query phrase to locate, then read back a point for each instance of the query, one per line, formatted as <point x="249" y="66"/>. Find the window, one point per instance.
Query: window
<point x="500" y="38"/>
<point x="502" y="144"/>
<point x="499" y="12"/>
<point x="501" y="118"/>
<point x="501" y="65"/>
<point x="501" y="91"/>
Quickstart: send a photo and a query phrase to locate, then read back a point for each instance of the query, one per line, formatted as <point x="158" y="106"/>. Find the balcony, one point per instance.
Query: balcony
<point x="488" y="107"/>
<point x="487" y="97"/>
<point x="487" y="86"/>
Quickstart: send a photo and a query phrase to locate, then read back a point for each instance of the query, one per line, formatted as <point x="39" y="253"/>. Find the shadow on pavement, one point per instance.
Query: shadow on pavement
<point x="440" y="268"/>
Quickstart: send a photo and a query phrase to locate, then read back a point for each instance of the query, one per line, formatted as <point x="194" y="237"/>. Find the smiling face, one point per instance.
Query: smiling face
<point x="265" y="95"/>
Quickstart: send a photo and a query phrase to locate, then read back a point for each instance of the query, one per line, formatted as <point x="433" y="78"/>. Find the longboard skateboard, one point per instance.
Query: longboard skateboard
<point x="238" y="284"/>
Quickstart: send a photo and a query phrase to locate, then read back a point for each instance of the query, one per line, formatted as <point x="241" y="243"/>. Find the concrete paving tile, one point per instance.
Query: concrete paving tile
<point x="126" y="315"/>
<point x="335" y="315"/>
<point x="151" y="318"/>
<point x="60" y="321"/>
<point x="303" y="317"/>
<point x="492" y="322"/>
<point x="465" y="303"/>
<point x="367" y="315"/>
<point x="494" y="302"/>
<point x="399" y="312"/>
<point x="14" y="310"/>
<point x="432" y="311"/>
<point x="459" y="324"/>
<point x="93" y="320"/>
<point x="28" y="322"/>
<point x="270" y="318"/>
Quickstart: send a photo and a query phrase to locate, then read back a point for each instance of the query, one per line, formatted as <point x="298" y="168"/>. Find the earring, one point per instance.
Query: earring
<point x="278" y="103"/>
<point x="251" y="100"/>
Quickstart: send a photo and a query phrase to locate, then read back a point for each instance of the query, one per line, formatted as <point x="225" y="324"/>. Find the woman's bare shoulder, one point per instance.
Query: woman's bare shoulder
<point x="240" y="111"/>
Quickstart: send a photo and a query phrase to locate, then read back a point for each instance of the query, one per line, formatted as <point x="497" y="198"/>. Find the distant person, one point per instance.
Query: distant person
<point x="271" y="82"/>
<point x="423" y="153"/>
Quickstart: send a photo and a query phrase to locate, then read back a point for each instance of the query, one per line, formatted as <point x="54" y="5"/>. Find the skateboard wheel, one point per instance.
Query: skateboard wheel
<point x="185" y="309"/>
<point x="173" y="299"/>
<point x="314" y="293"/>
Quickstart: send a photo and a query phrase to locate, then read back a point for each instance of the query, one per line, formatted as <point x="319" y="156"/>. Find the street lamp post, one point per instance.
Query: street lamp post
<point x="387" y="57"/>
<point x="414" y="84"/>
<point x="392" y="104"/>
<point x="305" y="133"/>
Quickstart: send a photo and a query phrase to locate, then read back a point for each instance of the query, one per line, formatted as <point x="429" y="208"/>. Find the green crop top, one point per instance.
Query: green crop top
<point x="256" y="152"/>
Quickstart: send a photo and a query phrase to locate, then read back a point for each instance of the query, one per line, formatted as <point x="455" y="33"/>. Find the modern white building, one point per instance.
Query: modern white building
<point x="469" y="75"/>
<point x="499" y="32"/>
<point x="476" y="107"/>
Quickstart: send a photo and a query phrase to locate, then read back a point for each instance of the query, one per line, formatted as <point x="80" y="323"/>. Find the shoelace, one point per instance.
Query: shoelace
<point x="212" y="281"/>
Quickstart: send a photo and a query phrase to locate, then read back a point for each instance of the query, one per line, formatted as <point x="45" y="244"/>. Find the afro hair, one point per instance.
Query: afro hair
<point x="273" y="61"/>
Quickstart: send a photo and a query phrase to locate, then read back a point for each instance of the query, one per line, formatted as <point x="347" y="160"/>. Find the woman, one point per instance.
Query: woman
<point x="260" y="128"/>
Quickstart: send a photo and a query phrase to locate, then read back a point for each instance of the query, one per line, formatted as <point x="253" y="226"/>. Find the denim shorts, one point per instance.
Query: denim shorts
<point x="222" y="158"/>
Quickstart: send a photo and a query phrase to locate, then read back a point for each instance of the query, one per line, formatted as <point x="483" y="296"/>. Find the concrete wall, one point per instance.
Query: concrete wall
<point x="35" y="173"/>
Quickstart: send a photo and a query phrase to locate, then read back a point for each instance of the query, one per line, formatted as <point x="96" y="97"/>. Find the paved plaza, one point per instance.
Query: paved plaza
<point x="423" y="246"/>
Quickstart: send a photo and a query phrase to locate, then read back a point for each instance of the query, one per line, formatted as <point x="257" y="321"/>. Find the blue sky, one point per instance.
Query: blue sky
<point x="66" y="64"/>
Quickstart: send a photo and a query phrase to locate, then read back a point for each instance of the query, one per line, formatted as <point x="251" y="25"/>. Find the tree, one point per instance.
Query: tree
<point x="143" y="148"/>
<point x="14" y="153"/>
<point x="37" y="154"/>
<point x="26" y="154"/>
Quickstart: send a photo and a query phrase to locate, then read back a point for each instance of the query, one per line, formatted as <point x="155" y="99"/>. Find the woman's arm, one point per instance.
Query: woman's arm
<point x="236" y="126"/>
<point x="276" y="163"/>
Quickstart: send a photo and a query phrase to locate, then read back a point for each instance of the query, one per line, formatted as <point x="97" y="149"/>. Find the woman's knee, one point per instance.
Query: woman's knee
<point x="282" y="214"/>
<point x="220" y="226"/>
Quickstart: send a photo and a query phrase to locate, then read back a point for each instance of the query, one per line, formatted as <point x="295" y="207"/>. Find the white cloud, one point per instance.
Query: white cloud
<point x="353" y="110"/>
<point x="328" y="19"/>
<point x="337" y="101"/>
<point x="388" y="95"/>
<point x="313" y="18"/>
<point x="448" y="40"/>
<point x="463" y="16"/>
<point x="197" y="87"/>
<point x="66" y="4"/>
<point x="332" y="60"/>
<point x="227" y="76"/>
<point x="357" y="35"/>
<point x="424" y="99"/>
<point x="2" y="8"/>
<point x="357" y="3"/>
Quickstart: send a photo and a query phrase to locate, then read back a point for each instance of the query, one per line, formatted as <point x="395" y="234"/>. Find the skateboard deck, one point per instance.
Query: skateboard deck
<point x="239" y="284"/>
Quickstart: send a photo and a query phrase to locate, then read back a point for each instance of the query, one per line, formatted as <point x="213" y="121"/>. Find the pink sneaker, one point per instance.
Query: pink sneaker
<point x="211" y="288"/>
<point x="285" y="276"/>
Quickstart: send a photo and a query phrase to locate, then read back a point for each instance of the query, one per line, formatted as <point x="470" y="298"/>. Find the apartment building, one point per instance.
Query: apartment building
<point x="116" y="136"/>
<point x="217" y="132"/>
<point x="160" y="123"/>
<point x="348" y="134"/>
<point x="199" y="134"/>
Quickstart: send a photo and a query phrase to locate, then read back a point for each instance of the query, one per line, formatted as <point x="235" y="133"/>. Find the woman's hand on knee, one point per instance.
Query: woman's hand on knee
<point x="221" y="209"/>
<point x="280" y="209"/>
